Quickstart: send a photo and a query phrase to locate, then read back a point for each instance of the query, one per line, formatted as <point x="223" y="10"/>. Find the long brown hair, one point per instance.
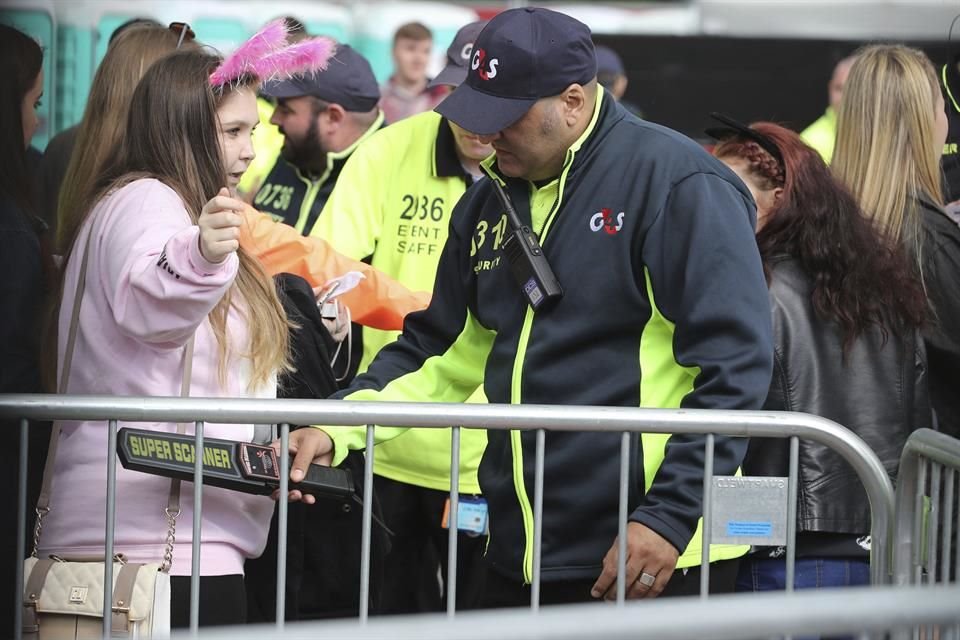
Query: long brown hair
<point x="21" y="59"/>
<point x="860" y="277"/>
<point x="171" y="135"/>
<point x="101" y="130"/>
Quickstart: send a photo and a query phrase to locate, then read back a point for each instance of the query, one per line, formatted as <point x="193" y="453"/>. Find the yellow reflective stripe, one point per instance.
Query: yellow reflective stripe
<point x="946" y="87"/>
<point x="517" y="450"/>
<point x="664" y="383"/>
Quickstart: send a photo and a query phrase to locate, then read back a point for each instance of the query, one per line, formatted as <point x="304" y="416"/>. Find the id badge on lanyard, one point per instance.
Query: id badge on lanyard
<point x="472" y="516"/>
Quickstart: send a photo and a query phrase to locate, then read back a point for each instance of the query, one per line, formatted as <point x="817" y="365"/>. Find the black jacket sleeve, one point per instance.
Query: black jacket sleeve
<point x="707" y="279"/>
<point x="21" y="291"/>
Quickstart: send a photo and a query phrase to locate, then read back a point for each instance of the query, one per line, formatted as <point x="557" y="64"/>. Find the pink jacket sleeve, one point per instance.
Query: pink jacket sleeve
<point x="158" y="284"/>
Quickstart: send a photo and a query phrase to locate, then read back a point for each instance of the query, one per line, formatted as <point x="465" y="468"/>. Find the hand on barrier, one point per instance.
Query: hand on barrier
<point x="309" y="446"/>
<point x="219" y="224"/>
<point x="648" y="555"/>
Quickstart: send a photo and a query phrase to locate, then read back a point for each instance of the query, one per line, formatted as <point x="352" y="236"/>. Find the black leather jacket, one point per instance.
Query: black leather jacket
<point x="878" y="391"/>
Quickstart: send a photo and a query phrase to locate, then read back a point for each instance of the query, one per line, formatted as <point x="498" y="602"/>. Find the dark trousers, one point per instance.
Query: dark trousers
<point x="323" y="559"/>
<point x="419" y="551"/>
<point x="222" y="601"/>
<point x="503" y="592"/>
<point x="38" y="439"/>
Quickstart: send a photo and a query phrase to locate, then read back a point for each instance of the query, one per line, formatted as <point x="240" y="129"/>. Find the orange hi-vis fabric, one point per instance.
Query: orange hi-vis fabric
<point x="378" y="301"/>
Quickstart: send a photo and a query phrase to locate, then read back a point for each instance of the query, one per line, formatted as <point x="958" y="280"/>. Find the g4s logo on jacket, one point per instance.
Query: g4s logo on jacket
<point x="604" y="219"/>
<point x="487" y="72"/>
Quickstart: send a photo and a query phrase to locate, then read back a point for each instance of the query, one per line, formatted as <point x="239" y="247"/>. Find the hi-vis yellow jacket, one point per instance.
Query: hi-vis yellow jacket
<point x="392" y="204"/>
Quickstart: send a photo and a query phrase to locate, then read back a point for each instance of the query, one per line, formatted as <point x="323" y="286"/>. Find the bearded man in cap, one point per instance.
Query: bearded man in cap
<point x="663" y="304"/>
<point x="323" y="116"/>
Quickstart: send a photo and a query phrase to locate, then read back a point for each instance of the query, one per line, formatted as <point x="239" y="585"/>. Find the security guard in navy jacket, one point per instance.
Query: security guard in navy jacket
<point x="323" y="117"/>
<point x="664" y="305"/>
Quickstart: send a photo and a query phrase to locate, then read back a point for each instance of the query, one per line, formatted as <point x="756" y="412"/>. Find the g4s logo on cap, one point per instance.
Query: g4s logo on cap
<point x="488" y="71"/>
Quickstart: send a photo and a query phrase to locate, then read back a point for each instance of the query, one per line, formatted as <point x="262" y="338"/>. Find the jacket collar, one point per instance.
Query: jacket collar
<point x="336" y="159"/>
<point x="446" y="162"/>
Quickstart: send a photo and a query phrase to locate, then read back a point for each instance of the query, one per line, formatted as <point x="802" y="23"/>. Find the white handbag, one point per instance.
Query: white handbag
<point x="63" y="597"/>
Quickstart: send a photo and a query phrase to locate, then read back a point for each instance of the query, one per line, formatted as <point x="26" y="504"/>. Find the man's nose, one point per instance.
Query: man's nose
<point x="488" y="139"/>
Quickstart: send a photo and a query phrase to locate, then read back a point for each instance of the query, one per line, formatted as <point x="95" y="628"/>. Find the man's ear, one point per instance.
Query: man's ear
<point x="573" y="102"/>
<point x="335" y="114"/>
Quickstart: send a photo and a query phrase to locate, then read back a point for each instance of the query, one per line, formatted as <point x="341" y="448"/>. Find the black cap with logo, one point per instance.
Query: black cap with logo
<point x="458" y="55"/>
<point x="521" y="56"/>
<point x="347" y="81"/>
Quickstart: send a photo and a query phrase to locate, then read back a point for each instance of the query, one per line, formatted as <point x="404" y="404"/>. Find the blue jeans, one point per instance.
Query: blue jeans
<point x="770" y="574"/>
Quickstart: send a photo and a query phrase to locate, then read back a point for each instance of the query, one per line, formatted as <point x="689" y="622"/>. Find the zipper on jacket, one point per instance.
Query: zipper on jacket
<point x="516" y="447"/>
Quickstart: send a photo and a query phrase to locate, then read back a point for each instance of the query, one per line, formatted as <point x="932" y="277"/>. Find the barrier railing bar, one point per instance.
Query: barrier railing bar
<point x="367" y="527"/>
<point x="956" y="547"/>
<point x="622" y="521"/>
<point x="916" y="548"/>
<point x="507" y="417"/>
<point x="847" y="611"/>
<point x="949" y="479"/>
<point x="933" y="522"/>
<point x="21" y="528"/>
<point x="707" y="515"/>
<point x="197" y="525"/>
<point x="793" y="489"/>
<point x="109" y="528"/>
<point x="453" y="525"/>
<point x="283" y="514"/>
<point x="537" y="519"/>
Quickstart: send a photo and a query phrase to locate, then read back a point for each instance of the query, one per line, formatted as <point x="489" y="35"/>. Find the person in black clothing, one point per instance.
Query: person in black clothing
<point x="21" y="288"/>
<point x="847" y="309"/>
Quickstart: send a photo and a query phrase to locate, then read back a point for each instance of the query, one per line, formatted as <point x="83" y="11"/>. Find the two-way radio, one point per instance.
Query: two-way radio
<point x="240" y="466"/>
<point x="529" y="266"/>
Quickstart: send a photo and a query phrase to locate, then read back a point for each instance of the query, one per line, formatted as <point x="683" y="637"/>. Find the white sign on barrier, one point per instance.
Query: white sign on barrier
<point x="749" y="510"/>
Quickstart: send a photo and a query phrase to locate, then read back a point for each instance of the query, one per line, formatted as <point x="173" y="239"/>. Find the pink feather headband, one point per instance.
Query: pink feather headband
<point x="267" y="56"/>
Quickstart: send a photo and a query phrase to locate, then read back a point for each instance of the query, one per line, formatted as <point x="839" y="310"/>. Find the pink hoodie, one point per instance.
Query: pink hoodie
<point x="148" y="290"/>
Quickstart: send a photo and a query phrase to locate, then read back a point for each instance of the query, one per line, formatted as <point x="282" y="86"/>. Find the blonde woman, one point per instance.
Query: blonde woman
<point x="891" y="128"/>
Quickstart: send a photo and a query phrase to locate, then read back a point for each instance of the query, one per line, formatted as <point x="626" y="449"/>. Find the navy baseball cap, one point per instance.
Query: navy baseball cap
<point x="521" y="56"/>
<point x="458" y="55"/>
<point x="347" y="81"/>
<point x="608" y="61"/>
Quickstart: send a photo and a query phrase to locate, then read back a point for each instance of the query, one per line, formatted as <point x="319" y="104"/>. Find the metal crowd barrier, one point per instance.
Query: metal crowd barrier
<point x="927" y="527"/>
<point x="856" y="612"/>
<point x="506" y="417"/>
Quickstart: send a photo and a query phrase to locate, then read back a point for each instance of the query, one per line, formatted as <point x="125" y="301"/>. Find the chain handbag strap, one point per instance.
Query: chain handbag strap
<point x="172" y="512"/>
<point x="172" y="509"/>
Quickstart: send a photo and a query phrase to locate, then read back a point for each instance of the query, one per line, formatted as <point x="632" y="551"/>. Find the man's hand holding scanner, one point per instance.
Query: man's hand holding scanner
<point x="309" y="446"/>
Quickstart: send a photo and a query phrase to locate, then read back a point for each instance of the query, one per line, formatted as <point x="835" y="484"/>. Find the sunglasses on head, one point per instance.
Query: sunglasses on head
<point x="183" y="31"/>
<point x="733" y="128"/>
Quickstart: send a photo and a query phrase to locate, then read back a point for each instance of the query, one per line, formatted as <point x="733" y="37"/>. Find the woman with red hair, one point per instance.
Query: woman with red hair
<point x="846" y="312"/>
